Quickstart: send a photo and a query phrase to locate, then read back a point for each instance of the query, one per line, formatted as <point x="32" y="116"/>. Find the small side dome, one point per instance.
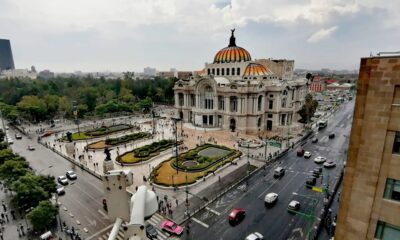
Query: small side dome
<point x="255" y="69"/>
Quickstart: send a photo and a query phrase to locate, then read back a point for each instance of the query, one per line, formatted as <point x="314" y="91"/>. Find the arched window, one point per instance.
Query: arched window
<point x="233" y="71"/>
<point x="259" y="122"/>
<point x="237" y="71"/>
<point x="213" y="71"/>
<point x="259" y="102"/>
<point x="180" y="97"/>
<point x="217" y="71"/>
<point x="222" y="71"/>
<point x="208" y="71"/>
<point x="227" y="71"/>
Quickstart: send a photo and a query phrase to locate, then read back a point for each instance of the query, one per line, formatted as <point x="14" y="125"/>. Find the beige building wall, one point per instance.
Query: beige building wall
<point x="370" y="159"/>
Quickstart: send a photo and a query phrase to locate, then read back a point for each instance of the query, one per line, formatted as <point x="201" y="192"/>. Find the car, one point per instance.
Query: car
<point x="318" y="169"/>
<point x="31" y="148"/>
<point x="279" y="172"/>
<point x="71" y="175"/>
<point x="332" y="135"/>
<point x="10" y="140"/>
<point x="255" y="236"/>
<point x="300" y="152"/>
<point x="62" y="180"/>
<point x="329" y="164"/>
<point x="314" y="140"/>
<point x="307" y="154"/>
<point x="271" y="198"/>
<point x="294" y="205"/>
<point x="236" y="215"/>
<point x="46" y="134"/>
<point x="151" y="232"/>
<point x="311" y="181"/>
<point x="18" y="136"/>
<point x="60" y="189"/>
<point x="319" y="159"/>
<point x="171" y="227"/>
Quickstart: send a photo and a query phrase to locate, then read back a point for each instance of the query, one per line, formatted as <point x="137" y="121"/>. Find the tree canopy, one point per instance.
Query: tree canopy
<point x="43" y="215"/>
<point x="307" y="111"/>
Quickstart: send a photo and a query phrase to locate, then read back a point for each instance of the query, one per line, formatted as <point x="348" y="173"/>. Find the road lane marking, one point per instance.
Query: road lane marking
<point x="200" y="222"/>
<point x="259" y="196"/>
<point x="213" y="211"/>
<point x="288" y="183"/>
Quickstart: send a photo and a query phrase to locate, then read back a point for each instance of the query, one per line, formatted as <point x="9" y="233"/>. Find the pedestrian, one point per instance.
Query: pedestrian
<point x="2" y="216"/>
<point x="176" y="201"/>
<point x="1" y="235"/>
<point x="4" y="206"/>
<point x="5" y="214"/>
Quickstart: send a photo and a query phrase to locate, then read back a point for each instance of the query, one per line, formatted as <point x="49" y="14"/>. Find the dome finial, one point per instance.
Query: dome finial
<point x="232" y="40"/>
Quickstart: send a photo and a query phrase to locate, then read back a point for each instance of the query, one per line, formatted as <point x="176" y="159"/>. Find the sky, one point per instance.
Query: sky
<point x="128" y="35"/>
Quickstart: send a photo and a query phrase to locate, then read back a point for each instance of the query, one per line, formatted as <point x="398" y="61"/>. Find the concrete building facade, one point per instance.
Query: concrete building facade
<point x="370" y="199"/>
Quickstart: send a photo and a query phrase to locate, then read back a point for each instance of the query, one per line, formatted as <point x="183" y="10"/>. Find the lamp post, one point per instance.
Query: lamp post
<point x="75" y="112"/>
<point x="176" y="142"/>
<point x="265" y="150"/>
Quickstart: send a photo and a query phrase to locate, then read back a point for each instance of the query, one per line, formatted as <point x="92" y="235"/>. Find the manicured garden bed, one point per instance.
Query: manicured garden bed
<point x="111" y="142"/>
<point x="99" y="132"/>
<point x="193" y="165"/>
<point x="145" y="153"/>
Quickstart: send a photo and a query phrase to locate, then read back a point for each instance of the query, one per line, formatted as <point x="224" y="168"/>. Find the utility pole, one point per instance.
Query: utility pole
<point x="75" y="112"/>
<point x="266" y="145"/>
<point x="176" y="144"/>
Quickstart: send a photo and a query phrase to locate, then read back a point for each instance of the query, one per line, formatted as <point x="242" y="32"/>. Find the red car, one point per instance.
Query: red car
<point x="237" y="215"/>
<point x="300" y="152"/>
<point x="171" y="227"/>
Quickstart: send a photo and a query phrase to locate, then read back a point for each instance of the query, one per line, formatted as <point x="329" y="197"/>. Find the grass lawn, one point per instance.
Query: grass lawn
<point x="80" y="136"/>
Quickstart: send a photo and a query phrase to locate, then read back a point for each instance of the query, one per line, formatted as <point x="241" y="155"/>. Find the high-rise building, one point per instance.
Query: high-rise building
<point x="370" y="199"/>
<point x="6" y="57"/>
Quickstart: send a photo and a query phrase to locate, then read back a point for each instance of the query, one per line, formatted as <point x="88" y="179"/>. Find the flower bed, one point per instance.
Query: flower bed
<point x="145" y="153"/>
<point x="118" y="140"/>
<point x="166" y="173"/>
<point x="99" y="132"/>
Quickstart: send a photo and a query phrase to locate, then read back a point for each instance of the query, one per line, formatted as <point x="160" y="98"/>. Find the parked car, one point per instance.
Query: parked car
<point x="62" y="180"/>
<point x="60" y="189"/>
<point x="330" y="164"/>
<point x="294" y="205"/>
<point x="10" y="140"/>
<point x="171" y="227"/>
<point x="151" y="232"/>
<point x="71" y="175"/>
<point x="307" y="154"/>
<point x="18" y="136"/>
<point x="255" y="236"/>
<point x="332" y="135"/>
<point x="314" y="140"/>
<point x="237" y="215"/>
<point x="300" y="152"/>
<point x="279" y="172"/>
<point x="319" y="159"/>
<point x="311" y="181"/>
<point x="271" y="198"/>
<point x="31" y="148"/>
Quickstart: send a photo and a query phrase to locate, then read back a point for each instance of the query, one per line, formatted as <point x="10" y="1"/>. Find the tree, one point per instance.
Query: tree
<point x="52" y="104"/>
<point x="33" y="106"/>
<point x="308" y="109"/>
<point x="29" y="192"/>
<point x="6" y="154"/>
<point x="2" y="135"/>
<point x="12" y="170"/>
<point x="43" y="215"/>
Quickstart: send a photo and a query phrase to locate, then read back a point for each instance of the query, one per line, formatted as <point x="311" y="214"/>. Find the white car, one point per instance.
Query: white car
<point x="62" y="180"/>
<point x="271" y="198"/>
<point x="30" y="147"/>
<point x="329" y="164"/>
<point x="319" y="159"/>
<point x="10" y="140"/>
<point x="60" y="189"/>
<point x="294" y="205"/>
<point x="307" y="154"/>
<point x="255" y="236"/>
<point x="71" y="175"/>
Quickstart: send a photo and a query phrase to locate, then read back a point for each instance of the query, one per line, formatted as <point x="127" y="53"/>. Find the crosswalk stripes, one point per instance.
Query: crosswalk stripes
<point x="155" y="220"/>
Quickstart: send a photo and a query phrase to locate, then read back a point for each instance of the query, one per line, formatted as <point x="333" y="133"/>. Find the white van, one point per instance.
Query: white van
<point x="279" y="172"/>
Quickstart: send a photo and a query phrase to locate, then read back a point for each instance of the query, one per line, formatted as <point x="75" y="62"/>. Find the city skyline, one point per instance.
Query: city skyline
<point x="127" y="36"/>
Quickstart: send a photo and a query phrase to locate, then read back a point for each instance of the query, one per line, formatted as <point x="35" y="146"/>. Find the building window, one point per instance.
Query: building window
<point x="271" y="96"/>
<point x="192" y="100"/>
<point x="237" y="71"/>
<point x="217" y="71"/>
<point x="292" y="94"/>
<point x="233" y="104"/>
<point x="392" y="189"/>
<point x="223" y="71"/>
<point x="227" y="71"/>
<point x="283" y="102"/>
<point x="204" y="119"/>
<point x="270" y="104"/>
<point x="233" y="71"/>
<point x="396" y="144"/>
<point x="269" y="115"/>
<point x="259" y="122"/>
<point x="385" y="231"/>
<point x="221" y="103"/>
<point x="208" y="71"/>
<point x="180" y="96"/>
<point x="259" y="103"/>
<point x="213" y="71"/>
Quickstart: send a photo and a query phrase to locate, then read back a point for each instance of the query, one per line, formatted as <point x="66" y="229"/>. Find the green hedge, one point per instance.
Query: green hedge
<point x="127" y="138"/>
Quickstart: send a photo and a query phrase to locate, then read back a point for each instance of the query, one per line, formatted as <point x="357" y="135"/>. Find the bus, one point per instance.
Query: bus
<point x="322" y="124"/>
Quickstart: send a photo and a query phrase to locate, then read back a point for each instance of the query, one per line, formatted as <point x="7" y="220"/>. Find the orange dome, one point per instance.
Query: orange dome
<point x="232" y="53"/>
<point x="255" y="69"/>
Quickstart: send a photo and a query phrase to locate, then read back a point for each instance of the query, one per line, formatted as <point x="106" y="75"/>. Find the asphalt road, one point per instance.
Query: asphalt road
<point x="276" y="222"/>
<point x="83" y="199"/>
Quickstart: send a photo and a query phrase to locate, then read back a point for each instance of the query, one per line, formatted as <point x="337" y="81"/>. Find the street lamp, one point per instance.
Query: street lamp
<point x="176" y="142"/>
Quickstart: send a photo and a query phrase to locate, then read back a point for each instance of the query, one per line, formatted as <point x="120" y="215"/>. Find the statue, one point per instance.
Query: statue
<point x="232" y="40"/>
<point x="232" y="30"/>
<point x="69" y="136"/>
<point x="108" y="154"/>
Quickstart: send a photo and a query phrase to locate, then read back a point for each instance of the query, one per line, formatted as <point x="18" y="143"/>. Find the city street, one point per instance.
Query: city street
<point x="276" y="222"/>
<point x="81" y="206"/>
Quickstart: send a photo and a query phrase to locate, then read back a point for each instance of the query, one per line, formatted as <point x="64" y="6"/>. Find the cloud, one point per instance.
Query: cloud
<point x="322" y="34"/>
